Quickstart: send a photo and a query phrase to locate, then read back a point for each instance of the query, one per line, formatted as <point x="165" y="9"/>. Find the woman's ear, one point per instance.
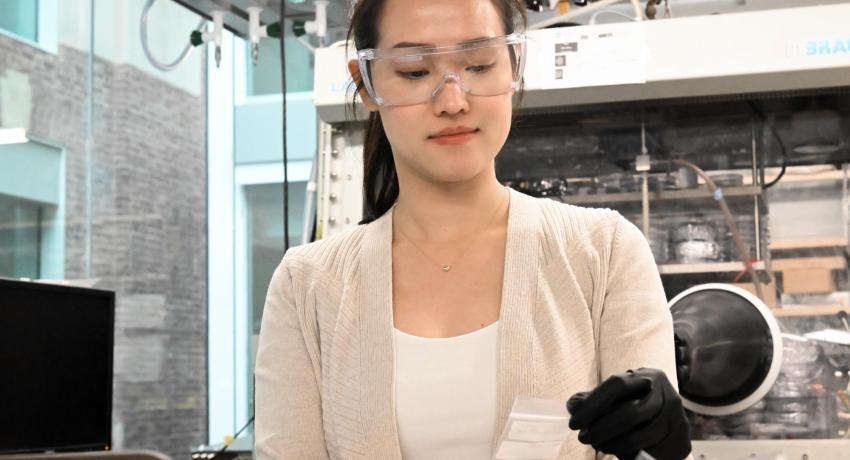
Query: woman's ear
<point x="354" y="70"/>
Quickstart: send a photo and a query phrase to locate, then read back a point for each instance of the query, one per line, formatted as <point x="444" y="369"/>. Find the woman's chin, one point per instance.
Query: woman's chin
<point x="457" y="175"/>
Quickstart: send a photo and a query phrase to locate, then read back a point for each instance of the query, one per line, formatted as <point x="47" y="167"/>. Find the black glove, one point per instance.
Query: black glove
<point x="629" y="412"/>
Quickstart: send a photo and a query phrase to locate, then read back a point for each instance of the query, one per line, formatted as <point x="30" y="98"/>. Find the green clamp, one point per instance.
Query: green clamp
<point x="299" y="28"/>
<point x="273" y="30"/>
<point x="196" y="38"/>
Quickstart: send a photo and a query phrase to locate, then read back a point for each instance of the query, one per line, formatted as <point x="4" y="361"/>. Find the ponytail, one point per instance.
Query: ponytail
<point x="380" y="181"/>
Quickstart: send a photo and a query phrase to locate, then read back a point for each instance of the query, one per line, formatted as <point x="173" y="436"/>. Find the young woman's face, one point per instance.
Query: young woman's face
<point x="414" y="130"/>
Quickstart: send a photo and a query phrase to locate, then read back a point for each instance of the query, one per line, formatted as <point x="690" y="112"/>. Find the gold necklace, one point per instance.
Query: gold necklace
<point x="447" y="267"/>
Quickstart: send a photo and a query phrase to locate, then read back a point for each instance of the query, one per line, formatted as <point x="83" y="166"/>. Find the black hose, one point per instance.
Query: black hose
<point x="782" y="147"/>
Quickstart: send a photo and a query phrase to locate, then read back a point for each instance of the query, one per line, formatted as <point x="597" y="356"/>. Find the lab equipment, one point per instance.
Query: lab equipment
<point x="728" y="348"/>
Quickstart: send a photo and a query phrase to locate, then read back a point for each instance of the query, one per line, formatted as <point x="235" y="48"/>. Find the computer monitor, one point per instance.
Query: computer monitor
<point x="55" y="367"/>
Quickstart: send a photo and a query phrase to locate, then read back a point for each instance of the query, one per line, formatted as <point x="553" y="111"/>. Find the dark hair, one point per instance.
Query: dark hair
<point x="380" y="181"/>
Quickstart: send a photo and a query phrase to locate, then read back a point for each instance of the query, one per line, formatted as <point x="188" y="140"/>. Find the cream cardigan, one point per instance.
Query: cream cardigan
<point x="581" y="300"/>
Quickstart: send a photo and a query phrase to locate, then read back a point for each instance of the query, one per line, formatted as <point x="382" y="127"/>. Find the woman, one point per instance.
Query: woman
<point x="411" y="336"/>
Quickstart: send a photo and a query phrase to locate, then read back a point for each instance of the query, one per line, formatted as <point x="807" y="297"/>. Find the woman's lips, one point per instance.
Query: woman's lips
<point x="454" y="139"/>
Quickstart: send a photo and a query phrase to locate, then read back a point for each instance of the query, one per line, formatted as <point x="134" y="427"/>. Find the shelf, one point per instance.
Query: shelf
<point x="714" y="267"/>
<point x="810" y="263"/>
<point x="811" y="173"/>
<point x="809" y="310"/>
<point x="664" y="195"/>
<point x="814" y="243"/>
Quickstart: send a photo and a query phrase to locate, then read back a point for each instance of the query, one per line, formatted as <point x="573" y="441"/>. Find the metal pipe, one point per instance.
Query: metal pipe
<point x="642" y="164"/>
<point x="645" y="205"/>
<point x="756" y="199"/>
<point x="845" y="202"/>
<point x="89" y="143"/>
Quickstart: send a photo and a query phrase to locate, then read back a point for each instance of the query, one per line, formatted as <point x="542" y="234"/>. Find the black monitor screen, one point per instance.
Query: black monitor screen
<point x="56" y="359"/>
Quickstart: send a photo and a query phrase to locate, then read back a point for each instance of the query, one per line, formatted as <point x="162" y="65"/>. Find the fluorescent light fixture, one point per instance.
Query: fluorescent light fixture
<point x="13" y="136"/>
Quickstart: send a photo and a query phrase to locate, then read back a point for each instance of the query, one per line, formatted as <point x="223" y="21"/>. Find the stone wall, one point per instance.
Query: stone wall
<point x="148" y="230"/>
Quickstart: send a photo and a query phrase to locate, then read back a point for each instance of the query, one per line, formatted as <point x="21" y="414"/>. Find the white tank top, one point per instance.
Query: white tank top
<point x="445" y="391"/>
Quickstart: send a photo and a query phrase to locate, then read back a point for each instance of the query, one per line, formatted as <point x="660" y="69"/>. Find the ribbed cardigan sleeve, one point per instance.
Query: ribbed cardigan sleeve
<point x="636" y="328"/>
<point x="288" y="421"/>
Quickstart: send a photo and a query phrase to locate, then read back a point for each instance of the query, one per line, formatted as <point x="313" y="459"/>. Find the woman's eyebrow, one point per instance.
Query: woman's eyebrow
<point x="411" y="44"/>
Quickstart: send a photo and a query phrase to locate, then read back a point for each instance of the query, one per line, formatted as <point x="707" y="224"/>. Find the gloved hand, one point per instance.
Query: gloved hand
<point x="629" y="412"/>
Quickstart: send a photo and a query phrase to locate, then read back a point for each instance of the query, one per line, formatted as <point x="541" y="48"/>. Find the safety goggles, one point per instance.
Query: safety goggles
<point x="414" y="75"/>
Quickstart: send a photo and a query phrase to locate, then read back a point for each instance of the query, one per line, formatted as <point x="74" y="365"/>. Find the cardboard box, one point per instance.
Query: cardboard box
<point x="808" y="281"/>
<point x="809" y="275"/>
<point x="768" y="291"/>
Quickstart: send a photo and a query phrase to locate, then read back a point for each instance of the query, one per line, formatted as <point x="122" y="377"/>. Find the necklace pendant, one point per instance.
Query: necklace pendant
<point x="447" y="268"/>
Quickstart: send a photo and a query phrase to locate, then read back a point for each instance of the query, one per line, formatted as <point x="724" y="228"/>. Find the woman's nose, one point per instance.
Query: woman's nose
<point x="450" y="97"/>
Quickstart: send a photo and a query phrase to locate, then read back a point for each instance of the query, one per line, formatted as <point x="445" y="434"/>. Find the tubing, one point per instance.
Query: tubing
<point x="730" y="221"/>
<point x="143" y="29"/>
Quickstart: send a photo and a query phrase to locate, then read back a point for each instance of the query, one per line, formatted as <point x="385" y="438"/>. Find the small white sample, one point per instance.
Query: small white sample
<point x="535" y="430"/>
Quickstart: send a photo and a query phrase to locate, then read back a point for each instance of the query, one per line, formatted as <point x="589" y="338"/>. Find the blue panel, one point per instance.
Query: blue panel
<point x="19" y="238"/>
<point x="31" y="171"/>
<point x="258" y="124"/>
<point x="264" y="77"/>
<point x="33" y="175"/>
<point x="20" y="17"/>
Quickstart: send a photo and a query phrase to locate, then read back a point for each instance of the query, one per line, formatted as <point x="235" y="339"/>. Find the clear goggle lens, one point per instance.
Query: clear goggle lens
<point x="407" y="76"/>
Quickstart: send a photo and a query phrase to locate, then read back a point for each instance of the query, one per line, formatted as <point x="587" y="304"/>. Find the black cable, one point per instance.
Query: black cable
<point x="782" y="148"/>
<point x="774" y="181"/>
<point x="221" y="451"/>
<point x="285" y="158"/>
